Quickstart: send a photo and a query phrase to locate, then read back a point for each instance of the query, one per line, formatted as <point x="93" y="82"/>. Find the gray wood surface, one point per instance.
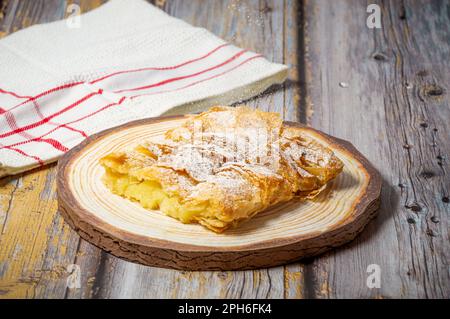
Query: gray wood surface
<point x="394" y="113"/>
<point x="393" y="107"/>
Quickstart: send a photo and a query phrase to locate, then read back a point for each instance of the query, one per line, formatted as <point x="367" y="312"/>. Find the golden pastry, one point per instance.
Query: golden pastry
<point x="221" y="167"/>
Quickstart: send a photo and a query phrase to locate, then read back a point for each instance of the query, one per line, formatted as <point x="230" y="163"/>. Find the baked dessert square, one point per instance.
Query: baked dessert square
<point x="221" y="167"/>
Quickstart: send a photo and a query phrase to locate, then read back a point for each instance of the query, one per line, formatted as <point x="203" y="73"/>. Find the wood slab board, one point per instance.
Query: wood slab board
<point x="279" y="235"/>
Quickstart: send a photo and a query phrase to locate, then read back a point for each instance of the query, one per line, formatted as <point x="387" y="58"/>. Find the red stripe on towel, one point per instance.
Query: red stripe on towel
<point x="161" y="68"/>
<point x="234" y="57"/>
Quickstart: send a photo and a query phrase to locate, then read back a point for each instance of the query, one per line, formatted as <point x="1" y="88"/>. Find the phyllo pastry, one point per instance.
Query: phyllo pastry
<point x="221" y="167"/>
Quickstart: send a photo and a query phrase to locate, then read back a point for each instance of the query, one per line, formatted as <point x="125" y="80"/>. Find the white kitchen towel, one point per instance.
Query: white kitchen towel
<point x="63" y="81"/>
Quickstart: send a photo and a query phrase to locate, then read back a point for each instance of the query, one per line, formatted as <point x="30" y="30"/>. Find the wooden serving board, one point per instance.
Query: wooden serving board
<point x="280" y="235"/>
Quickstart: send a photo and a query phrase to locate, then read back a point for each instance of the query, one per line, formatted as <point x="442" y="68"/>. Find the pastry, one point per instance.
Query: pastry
<point x="221" y="167"/>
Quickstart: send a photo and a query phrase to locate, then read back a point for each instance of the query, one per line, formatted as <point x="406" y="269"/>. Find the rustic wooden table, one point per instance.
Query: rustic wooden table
<point x="386" y="90"/>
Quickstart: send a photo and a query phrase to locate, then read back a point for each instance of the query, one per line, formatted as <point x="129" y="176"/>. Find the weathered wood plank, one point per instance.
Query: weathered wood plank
<point x="294" y="110"/>
<point x="36" y="244"/>
<point x="395" y="110"/>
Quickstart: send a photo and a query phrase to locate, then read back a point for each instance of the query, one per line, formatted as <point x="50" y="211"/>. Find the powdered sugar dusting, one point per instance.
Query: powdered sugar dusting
<point x="245" y="160"/>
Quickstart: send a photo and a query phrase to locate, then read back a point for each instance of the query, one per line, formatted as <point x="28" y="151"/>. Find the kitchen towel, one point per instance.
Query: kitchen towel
<point x="63" y="81"/>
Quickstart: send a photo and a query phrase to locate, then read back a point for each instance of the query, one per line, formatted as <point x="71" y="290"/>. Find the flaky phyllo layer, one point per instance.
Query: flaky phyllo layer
<point x="221" y="167"/>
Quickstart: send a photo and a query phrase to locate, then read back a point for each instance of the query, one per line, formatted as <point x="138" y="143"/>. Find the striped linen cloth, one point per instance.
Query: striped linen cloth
<point x="124" y="61"/>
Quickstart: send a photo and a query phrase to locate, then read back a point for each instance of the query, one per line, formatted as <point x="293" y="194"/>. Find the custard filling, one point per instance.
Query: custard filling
<point x="150" y="195"/>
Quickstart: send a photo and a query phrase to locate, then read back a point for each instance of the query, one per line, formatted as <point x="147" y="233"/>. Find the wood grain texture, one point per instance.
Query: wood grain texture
<point x="324" y="42"/>
<point x="280" y="235"/>
<point x="395" y="110"/>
